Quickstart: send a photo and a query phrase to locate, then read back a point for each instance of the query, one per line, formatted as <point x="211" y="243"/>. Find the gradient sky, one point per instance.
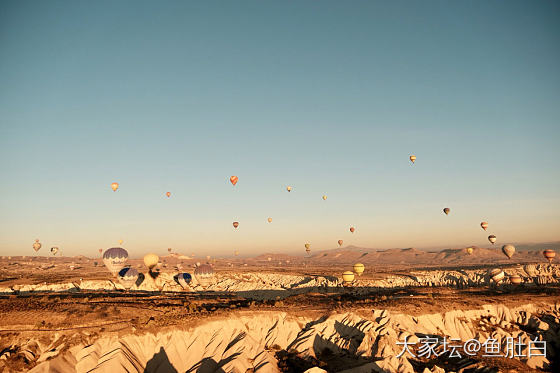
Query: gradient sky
<point x="330" y="97"/>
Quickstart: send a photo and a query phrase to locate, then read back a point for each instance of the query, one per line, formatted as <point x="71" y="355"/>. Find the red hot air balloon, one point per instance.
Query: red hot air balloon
<point x="168" y="194"/>
<point x="549" y="255"/>
<point x="352" y="229"/>
<point x="235" y="224"/>
<point x="233" y="179"/>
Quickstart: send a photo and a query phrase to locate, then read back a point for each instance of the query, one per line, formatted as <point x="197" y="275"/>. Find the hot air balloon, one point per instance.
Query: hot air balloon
<point x="508" y="250"/>
<point x="115" y="186"/>
<point x="114" y="259"/>
<point x="36" y="245"/>
<point x="183" y="279"/>
<point x="348" y="277"/>
<point x="128" y="277"/>
<point x="484" y="225"/>
<point x="151" y="260"/>
<point x="233" y="179"/>
<point x="412" y="158"/>
<point x="515" y="279"/>
<point x="235" y="224"/>
<point x="100" y="251"/>
<point x="204" y="274"/>
<point x="269" y="259"/>
<point x="168" y="249"/>
<point x="359" y="268"/>
<point x="324" y="198"/>
<point x="492" y="239"/>
<point x="549" y="254"/>
<point x="168" y="194"/>
<point x="531" y="269"/>
<point x="446" y="210"/>
<point x="496" y="275"/>
<point x="236" y="253"/>
<point x="120" y="242"/>
<point x="470" y="250"/>
<point x="352" y="229"/>
<point x="54" y="250"/>
<point x="340" y="242"/>
<point x="269" y="220"/>
<point x="289" y="188"/>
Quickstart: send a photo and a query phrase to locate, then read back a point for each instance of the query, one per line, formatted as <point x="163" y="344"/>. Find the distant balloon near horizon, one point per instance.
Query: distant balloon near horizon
<point x="446" y="210"/>
<point x="340" y="242"/>
<point x="233" y="180"/>
<point x="470" y="250"/>
<point x="168" y="194"/>
<point x="324" y="197"/>
<point x="348" y="277"/>
<point x="492" y="239"/>
<point x="412" y="158"/>
<point x="36" y="245"/>
<point x="549" y="254"/>
<point x="352" y="229"/>
<point x="359" y="268"/>
<point x="115" y="186"/>
<point x="54" y="250"/>
<point x="484" y="225"/>
<point x="289" y="188"/>
<point x="235" y="224"/>
<point x="508" y="250"/>
<point x="269" y="220"/>
<point x="168" y="249"/>
<point x="100" y="251"/>
<point x="114" y="259"/>
<point x="121" y="242"/>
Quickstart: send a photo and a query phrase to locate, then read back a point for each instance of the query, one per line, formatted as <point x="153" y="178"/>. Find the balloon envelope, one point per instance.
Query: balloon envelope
<point x="484" y="225"/>
<point x="352" y="229"/>
<point x="307" y="246"/>
<point x="128" y="277"/>
<point x="168" y="194"/>
<point x="36" y="245"/>
<point x="497" y="275"/>
<point x="269" y="220"/>
<point x="233" y="179"/>
<point x="515" y="279"/>
<point x="115" y="186"/>
<point x="204" y="274"/>
<point x="348" y="276"/>
<point x="508" y="250"/>
<point x="114" y="259"/>
<point x="446" y="210"/>
<point x="235" y="224"/>
<point x="54" y="250"/>
<point x="340" y="242"/>
<point x="470" y="250"/>
<point x="359" y="268"/>
<point x="151" y="260"/>
<point x="412" y="158"/>
<point x="549" y="254"/>
<point x="324" y="198"/>
<point x="492" y="239"/>
<point x="289" y="188"/>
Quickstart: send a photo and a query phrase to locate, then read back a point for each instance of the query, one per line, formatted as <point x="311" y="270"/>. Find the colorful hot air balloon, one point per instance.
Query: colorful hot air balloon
<point x="508" y="250"/>
<point x="114" y="259"/>
<point x="359" y="268"/>
<point x="348" y="277"/>
<point x="168" y="194"/>
<point x="151" y="260"/>
<point x="484" y="225"/>
<point x="549" y="254"/>
<point x="492" y="239"/>
<point x="340" y="242"/>
<point x="36" y="245"/>
<point x="54" y="250"/>
<point x="446" y="210"/>
<point x="235" y="224"/>
<point x="289" y="188"/>
<point x="352" y="229"/>
<point x="128" y="277"/>
<point x="515" y="279"/>
<point x="324" y="198"/>
<point x="269" y="220"/>
<point x="412" y="158"/>
<point x="496" y="275"/>
<point x="115" y="186"/>
<point x="470" y="250"/>
<point x="233" y="179"/>
<point x="183" y="279"/>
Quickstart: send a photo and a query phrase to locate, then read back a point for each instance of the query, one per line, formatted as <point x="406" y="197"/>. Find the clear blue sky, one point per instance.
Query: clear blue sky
<point x="329" y="97"/>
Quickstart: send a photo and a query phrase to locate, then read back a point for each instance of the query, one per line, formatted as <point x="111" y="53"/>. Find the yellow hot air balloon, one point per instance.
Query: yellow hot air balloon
<point x="508" y="250"/>
<point x="484" y="225"/>
<point x="307" y="246"/>
<point x="236" y="253"/>
<point x="289" y="188"/>
<point x="269" y="220"/>
<point x="446" y="210"/>
<point x="359" y="268"/>
<point x="120" y="242"/>
<point x="115" y="186"/>
<point x="340" y="242"/>
<point x="37" y="245"/>
<point x="470" y="250"/>
<point x="324" y="198"/>
<point x="412" y="158"/>
<point x="492" y="239"/>
<point x="549" y="254"/>
<point x="151" y="260"/>
<point x="348" y="277"/>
